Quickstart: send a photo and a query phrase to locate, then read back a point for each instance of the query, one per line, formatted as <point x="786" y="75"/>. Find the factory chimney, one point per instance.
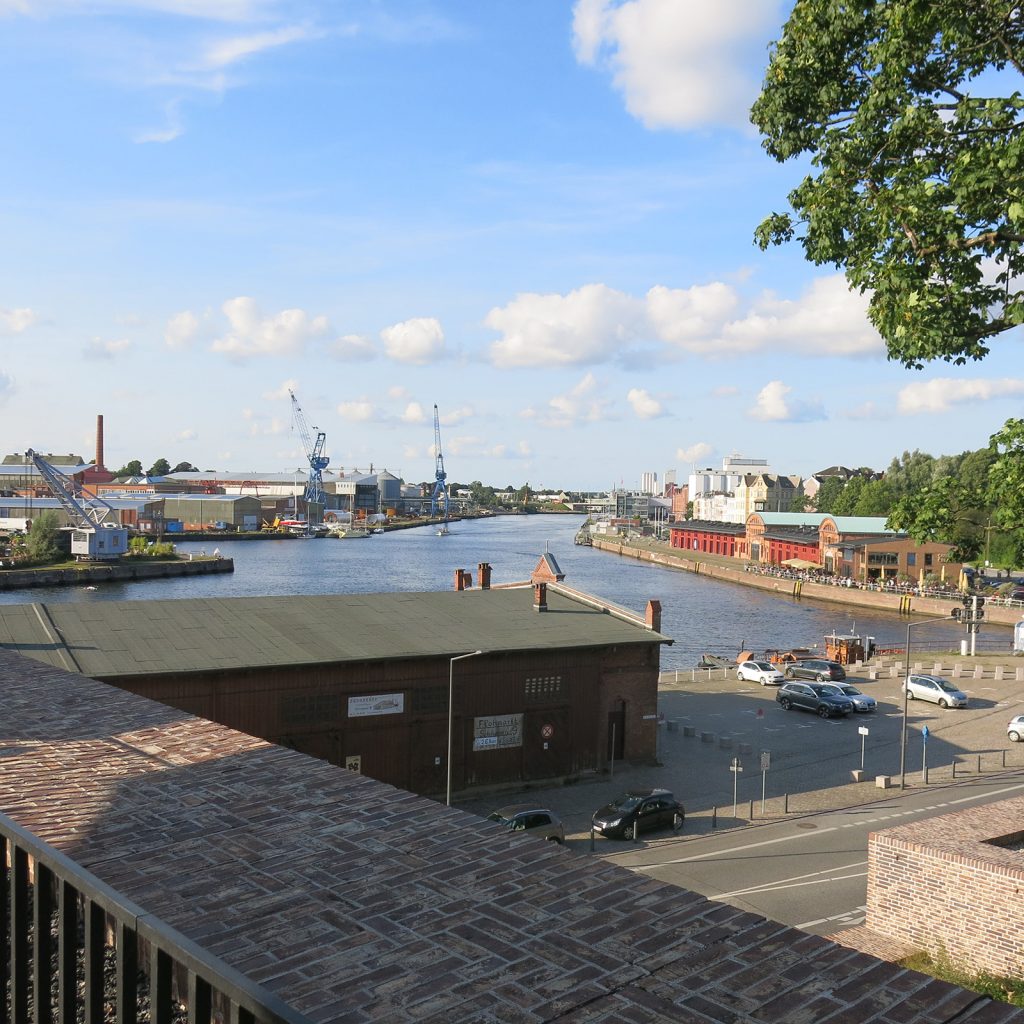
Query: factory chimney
<point x="99" y="442"/>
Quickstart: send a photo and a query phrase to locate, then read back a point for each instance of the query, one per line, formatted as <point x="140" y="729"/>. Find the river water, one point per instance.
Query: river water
<point x="699" y="613"/>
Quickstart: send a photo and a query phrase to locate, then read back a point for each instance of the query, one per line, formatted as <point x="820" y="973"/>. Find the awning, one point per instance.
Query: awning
<point x="800" y="563"/>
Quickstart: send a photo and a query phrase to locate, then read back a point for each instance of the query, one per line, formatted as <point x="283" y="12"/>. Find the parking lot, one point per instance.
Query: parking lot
<point x="810" y="759"/>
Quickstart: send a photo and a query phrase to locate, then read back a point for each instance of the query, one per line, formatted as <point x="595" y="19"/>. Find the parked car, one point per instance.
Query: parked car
<point x="938" y="691"/>
<point x="639" y="810"/>
<point x="861" y="701"/>
<point x="538" y="821"/>
<point x="1015" y="730"/>
<point x="763" y="672"/>
<point x="821" y="698"/>
<point x="816" y="668"/>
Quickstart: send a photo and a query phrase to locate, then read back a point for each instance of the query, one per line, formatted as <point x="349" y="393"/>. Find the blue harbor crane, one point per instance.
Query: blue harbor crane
<point x="314" y="449"/>
<point x="440" y="494"/>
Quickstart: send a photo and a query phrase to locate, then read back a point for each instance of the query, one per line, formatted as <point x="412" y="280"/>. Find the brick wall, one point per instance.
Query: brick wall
<point x="943" y="887"/>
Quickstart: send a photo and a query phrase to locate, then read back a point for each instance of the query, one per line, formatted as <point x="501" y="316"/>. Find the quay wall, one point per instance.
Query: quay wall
<point x="901" y="604"/>
<point x="14" y="579"/>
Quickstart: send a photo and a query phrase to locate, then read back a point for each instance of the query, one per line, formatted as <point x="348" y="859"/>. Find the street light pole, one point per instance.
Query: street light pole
<point x="451" y="702"/>
<point x="906" y="698"/>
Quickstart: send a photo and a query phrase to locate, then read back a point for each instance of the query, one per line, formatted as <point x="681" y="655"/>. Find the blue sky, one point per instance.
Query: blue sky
<point x="537" y="215"/>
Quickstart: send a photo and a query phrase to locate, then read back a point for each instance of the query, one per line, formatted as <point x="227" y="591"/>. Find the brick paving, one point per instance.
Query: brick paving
<point x="353" y="901"/>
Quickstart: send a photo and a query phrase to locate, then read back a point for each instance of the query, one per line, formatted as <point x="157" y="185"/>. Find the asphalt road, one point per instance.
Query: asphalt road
<point x="811" y="872"/>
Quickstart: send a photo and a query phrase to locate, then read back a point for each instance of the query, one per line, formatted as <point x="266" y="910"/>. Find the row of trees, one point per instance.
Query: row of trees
<point x="159" y="468"/>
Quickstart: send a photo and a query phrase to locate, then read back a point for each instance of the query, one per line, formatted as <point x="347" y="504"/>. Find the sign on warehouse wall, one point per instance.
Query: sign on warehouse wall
<point x="376" y="704"/>
<point x="496" y="732"/>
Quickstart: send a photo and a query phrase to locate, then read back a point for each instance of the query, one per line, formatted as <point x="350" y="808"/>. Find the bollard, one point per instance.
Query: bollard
<point x="636" y="831"/>
<point x="785" y="804"/>
<point x="591" y="838"/>
<point x="1004" y="758"/>
<point x="750" y="817"/>
<point x="979" y="764"/>
<point x="954" y="767"/>
<point x="714" y="817"/>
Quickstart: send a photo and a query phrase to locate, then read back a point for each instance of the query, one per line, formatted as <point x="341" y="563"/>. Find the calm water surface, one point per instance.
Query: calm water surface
<point x="700" y="614"/>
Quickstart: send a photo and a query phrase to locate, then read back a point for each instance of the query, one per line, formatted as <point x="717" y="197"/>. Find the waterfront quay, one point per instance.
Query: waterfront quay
<point x="125" y="571"/>
<point x="722" y="567"/>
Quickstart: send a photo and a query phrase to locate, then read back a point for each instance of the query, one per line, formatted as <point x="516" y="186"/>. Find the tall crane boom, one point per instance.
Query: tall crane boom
<point x="96" y="533"/>
<point x="314" y="450"/>
<point x="439" y="497"/>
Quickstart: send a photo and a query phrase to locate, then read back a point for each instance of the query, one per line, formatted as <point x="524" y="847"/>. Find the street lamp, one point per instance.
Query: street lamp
<point x="451" y="702"/>
<point x="906" y="697"/>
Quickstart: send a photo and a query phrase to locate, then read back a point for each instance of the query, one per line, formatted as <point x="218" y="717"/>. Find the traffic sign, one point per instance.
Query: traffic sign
<point x="863" y="730"/>
<point x="547" y="731"/>
<point x="766" y="760"/>
<point x="925" y="734"/>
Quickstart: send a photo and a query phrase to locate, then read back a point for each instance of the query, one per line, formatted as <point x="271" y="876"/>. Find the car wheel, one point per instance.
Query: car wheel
<point x="627" y="832"/>
<point x="678" y="820"/>
<point x="764" y="682"/>
<point x="785" y="703"/>
<point x="823" y="712"/>
<point x="910" y="694"/>
<point x="554" y="839"/>
<point x="943" y="703"/>
<point x="822" y="678"/>
<point x="789" y="673"/>
<point x="1014" y="737"/>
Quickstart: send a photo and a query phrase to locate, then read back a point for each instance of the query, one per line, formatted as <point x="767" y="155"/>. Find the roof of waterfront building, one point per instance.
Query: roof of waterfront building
<point x="352" y="901"/>
<point x="113" y="639"/>
<point x="844" y="524"/>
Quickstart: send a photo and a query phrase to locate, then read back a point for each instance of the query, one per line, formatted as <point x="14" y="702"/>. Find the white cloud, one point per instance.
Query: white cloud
<point x="941" y="393"/>
<point x="690" y="316"/>
<point x="172" y="127"/>
<point x="7" y="386"/>
<point x="582" y="404"/>
<point x="414" y="413"/>
<point x="695" y="452"/>
<point x="523" y="449"/>
<point x="590" y="324"/>
<point x="14" y="321"/>
<point x="453" y="416"/>
<point x="775" y="406"/>
<point x="266" y="426"/>
<point x="282" y="393"/>
<point x="645" y="405"/>
<point x="829" y="319"/>
<point x="181" y="330"/>
<point x="229" y="51"/>
<point x="250" y="334"/>
<point x="677" y="65"/>
<point x="100" y="349"/>
<point x="361" y="411"/>
<point x="185" y="435"/>
<point x="419" y="341"/>
<point x="353" y="348"/>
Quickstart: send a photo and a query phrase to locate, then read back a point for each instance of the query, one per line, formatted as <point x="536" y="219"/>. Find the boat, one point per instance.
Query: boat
<point x="714" y="661"/>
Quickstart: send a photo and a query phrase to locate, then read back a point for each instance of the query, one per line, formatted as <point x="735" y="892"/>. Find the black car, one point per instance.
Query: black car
<point x="816" y="668"/>
<point x="820" y="698"/>
<point x="639" y="810"/>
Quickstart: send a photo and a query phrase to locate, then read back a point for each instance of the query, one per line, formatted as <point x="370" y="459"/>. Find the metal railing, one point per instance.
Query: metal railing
<point x="75" y="949"/>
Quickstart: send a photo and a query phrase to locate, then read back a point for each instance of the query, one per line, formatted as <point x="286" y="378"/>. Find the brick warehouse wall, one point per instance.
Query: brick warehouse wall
<point x="942" y="886"/>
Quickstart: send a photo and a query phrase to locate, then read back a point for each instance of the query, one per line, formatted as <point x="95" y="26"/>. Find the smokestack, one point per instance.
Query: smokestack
<point x="99" y="442"/>
<point x="463" y="579"/>
<point x="483" y="575"/>
<point x="540" y="597"/>
<point x="653" y="616"/>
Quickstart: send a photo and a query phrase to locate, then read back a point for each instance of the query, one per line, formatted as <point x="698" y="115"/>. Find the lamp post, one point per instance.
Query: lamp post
<point x="906" y="698"/>
<point x="451" y="703"/>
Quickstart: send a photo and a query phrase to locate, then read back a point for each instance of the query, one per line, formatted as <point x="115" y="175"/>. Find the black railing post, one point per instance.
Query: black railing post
<point x="127" y="961"/>
<point x="160" y="973"/>
<point x="200" y="999"/>
<point x="42" y="964"/>
<point x="95" y="934"/>
<point x="67" y="952"/>
<point x="21" y="958"/>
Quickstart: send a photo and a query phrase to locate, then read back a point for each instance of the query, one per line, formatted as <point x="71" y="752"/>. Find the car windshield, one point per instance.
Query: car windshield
<point x="499" y="818"/>
<point x="764" y="666"/>
<point x="832" y="691"/>
<point x="626" y="802"/>
<point x="948" y="687"/>
<point x="850" y="691"/>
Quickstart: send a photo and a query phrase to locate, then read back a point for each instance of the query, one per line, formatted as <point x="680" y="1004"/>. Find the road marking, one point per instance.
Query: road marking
<point x="819" y="832"/>
<point x="811" y="878"/>
<point x="856" y="916"/>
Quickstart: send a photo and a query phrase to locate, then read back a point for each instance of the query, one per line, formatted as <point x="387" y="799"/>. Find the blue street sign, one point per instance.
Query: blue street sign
<point x="924" y="733"/>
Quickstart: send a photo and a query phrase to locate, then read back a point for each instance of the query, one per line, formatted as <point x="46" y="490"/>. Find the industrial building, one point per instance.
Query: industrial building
<point x="557" y="683"/>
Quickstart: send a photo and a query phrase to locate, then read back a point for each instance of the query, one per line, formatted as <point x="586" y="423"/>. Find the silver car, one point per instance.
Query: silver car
<point x="1015" y="730"/>
<point x="763" y="672"/>
<point x="538" y="821"/>
<point x="937" y="690"/>
<point x="861" y="701"/>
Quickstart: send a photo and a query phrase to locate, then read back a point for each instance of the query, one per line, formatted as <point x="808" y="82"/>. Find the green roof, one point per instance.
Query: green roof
<point x="107" y="639"/>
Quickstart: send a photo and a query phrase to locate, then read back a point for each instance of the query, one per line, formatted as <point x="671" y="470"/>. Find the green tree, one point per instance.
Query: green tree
<point x="801" y="503"/>
<point x="133" y="468"/>
<point x="41" y="543"/>
<point x="829" y="495"/>
<point x="917" y="191"/>
<point x="875" y="499"/>
<point x="184" y="467"/>
<point x="1006" y="484"/>
<point x="159" y="468"/>
<point x="945" y="511"/>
